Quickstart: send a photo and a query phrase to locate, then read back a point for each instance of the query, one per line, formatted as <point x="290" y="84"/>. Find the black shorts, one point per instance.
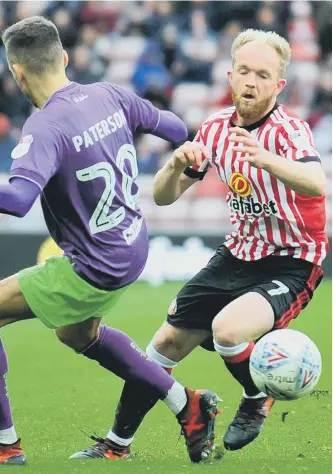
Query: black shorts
<point x="286" y="282"/>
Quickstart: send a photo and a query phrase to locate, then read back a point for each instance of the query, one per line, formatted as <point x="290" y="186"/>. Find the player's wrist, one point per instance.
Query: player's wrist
<point x="175" y="165"/>
<point x="268" y="160"/>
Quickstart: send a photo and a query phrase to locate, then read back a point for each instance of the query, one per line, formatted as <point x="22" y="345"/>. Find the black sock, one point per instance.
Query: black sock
<point x="136" y="400"/>
<point x="241" y="372"/>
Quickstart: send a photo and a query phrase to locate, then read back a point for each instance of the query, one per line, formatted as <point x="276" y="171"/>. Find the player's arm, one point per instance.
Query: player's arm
<point x="18" y="197"/>
<point x="35" y="160"/>
<point x="298" y="166"/>
<point x="146" y="118"/>
<point x="307" y="178"/>
<point x="179" y="173"/>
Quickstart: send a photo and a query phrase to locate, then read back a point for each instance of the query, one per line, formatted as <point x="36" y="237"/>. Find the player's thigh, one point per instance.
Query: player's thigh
<point x="59" y="297"/>
<point x="201" y="299"/>
<point x="290" y="292"/>
<point x="176" y="343"/>
<point x="245" y="319"/>
<point x="13" y="306"/>
<point x="286" y="289"/>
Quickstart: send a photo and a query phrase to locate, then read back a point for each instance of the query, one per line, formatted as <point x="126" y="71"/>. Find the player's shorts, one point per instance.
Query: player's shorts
<point x="59" y="297"/>
<point x="287" y="284"/>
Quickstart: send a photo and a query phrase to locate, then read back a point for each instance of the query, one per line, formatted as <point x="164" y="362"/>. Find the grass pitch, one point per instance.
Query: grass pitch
<point x="55" y="393"/>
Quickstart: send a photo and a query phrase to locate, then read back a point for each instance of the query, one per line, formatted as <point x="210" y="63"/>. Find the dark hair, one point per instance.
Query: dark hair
<point x="33" y="43"/>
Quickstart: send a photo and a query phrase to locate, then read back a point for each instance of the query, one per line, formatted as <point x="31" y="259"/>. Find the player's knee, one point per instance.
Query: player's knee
<point x="76" y="340"/>
<point x="225" y="333"/>
<point x="165" y="341"/>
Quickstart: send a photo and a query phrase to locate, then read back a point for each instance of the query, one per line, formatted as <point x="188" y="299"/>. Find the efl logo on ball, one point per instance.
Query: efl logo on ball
<point x="240" y="185"/>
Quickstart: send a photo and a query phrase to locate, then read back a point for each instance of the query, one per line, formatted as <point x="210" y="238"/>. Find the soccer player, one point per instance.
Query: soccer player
<point x="77" y="153"/>
<point x="267" y="269"/>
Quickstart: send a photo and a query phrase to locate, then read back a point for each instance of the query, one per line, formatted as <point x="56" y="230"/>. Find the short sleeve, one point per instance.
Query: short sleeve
<point x="37" y="156"/>
<point x="295" y="142"/>
<point x="143" y="116"/>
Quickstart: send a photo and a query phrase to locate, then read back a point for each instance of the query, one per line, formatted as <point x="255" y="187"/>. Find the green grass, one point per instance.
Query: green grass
<point x="55" y="393"/>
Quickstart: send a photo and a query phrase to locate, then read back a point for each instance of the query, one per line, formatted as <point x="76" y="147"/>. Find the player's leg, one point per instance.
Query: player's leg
<point x="118" y="353"/>
<point x="234" y="330"/>
<point x="188" y="325"/>
<point x="13" y="307"/>
<point x="138" y="398"/>
<point x="169" y="346"/>
<point x="267" y="306"/>
<point x="72" y="302"/>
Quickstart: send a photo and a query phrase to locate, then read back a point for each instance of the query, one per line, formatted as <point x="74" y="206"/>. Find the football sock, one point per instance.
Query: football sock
<point x="7" y="430"/>
<point x="116" y="352"/>
<point x="136" y="400"/>
<point x="237" y="359"/>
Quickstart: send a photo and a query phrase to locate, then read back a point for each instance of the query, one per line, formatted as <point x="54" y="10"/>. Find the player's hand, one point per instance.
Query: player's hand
<point x="250" y="148"/>
<point x="189" y="154"/>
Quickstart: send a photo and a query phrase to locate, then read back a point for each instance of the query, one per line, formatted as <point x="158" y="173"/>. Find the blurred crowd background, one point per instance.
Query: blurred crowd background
<point x="177" y="54"/>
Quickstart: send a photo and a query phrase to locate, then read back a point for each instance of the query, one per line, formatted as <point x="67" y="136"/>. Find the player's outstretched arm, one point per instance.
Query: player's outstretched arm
<point x="170" y="127"/>
<point x="18" y="196"/>
<point x="144" y="117"/>
<point x="171" y="182"/>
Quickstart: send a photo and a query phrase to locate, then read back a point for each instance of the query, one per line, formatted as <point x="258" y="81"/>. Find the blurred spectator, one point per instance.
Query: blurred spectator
<point x="159" y="13"/>
<point x="169" y="41"/>
<point x="82" y="68"/>
<point x="7" y="144"/>
<point x="227" y="37"/>
<point x="150" y="71"/>
<point x="147" y="159"/>
<point x="198" y="51"/>
<point x="12" y="102"/>
<point x="104" y="14"/>
<point x="267" y="19"/>
<point x="323" y="99"/>
<point x="67" y="31"/>
<point x="322" y="134"/>
<point x="149" y="150"/>
<point x="157" y="47"/>
<point x="302" y="32"/>
<point x="324" y="23"/>
<point x="24" y="8"/>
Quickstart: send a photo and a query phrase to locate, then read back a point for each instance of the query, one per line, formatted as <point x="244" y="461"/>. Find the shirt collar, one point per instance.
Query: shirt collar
<point x="61" y="89"/>
<point x="257" y="124"/>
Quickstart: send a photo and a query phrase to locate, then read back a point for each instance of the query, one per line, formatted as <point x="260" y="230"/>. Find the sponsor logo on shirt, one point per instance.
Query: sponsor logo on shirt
<point x="251" y="207"/>
<point x="23" y="147"/>
<point x="132" y="232"/>
<point x="294" y="135"/>
<point x="299" y="139"/>
<point x="240" y="185"/>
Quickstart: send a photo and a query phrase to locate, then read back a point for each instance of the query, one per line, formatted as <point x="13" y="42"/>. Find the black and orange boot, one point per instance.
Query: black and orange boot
<point x="12" y="453"/>
<point x="248" y="422"/>
<point x="197" y="420"/>
<point x="105" y="449"/>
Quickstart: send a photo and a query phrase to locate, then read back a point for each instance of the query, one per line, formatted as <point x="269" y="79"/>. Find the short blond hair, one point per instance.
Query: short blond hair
<point x="280" y="44"/>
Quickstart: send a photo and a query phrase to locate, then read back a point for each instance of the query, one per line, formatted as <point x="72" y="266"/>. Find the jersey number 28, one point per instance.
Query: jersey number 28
<point x="101" y="220"/>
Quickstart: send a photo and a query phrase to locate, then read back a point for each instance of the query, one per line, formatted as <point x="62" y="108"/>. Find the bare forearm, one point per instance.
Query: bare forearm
<point x="167" y="186"/>
<point x="171" y="182"/>
<point x="304" y="178"/>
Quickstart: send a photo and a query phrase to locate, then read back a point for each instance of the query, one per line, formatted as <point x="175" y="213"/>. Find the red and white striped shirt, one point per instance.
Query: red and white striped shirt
<point x="268" y="217"/>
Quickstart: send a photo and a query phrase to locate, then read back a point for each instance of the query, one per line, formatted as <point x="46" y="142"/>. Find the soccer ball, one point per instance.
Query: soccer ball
<point x="285" y="364"/>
